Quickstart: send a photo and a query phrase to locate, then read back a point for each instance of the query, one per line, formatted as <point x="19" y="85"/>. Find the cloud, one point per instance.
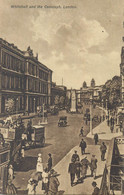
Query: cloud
<point x="76" y="44"/>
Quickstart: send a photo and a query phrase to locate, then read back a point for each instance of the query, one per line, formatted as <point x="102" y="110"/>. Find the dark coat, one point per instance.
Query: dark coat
<point x="96" y="191"/>
<point x="83" y="144"/>
<point x="75" y="157"/>
<point x="93" y="164"/>
<point x="50" y="163"/>
<point x="103" y="148"/>
<point x="53" y="184"/>
<point x="72" y="168"/>
<point x="96" y="137"/>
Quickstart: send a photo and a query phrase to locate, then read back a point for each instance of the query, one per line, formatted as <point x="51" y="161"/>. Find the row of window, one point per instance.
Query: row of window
<point x="12" y="63"/>
<point x="15" y="64"/>
<point x="33" y="70"/>
<point x="37" y="86"/>
<point x="12" y="82"/>
<point x="43" y="75"/>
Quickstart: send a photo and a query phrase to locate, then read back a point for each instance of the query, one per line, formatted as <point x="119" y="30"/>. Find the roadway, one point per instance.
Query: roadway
<point x="59" y="141"/>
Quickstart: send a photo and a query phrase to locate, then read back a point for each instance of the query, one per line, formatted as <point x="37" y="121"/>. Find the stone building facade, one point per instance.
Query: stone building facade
<point x="25" y="83"/>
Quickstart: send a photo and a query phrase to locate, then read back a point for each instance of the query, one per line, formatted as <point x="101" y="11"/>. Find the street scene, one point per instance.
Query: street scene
<point x="62" y="98"/>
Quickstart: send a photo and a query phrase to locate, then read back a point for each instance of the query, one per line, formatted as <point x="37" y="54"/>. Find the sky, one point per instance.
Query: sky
<point x="77" y="44"/>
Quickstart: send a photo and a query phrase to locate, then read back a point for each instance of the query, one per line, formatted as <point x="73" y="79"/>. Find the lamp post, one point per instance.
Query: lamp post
<point x="16" y="106"/>
<point x="43" y="112"/>
<point x="91" y="101"/>
<point x="34" y="105"/>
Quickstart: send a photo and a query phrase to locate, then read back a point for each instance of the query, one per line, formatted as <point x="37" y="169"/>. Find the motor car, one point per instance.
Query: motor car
<point x="62" y="121"/>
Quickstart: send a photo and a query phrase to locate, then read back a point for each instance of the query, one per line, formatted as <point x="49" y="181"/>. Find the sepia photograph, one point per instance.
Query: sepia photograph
<point x="62" y="97"/>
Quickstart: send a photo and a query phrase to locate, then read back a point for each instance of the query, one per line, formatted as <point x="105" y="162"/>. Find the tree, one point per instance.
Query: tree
<point x="10" y="105"/>
<point x="84" y="84"/>
<point x="112" y="92"/>
<point x="92" y="83"/>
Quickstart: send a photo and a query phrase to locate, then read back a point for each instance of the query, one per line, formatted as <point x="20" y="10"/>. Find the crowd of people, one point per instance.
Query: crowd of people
<point x="78" y="167"/>
<point x="47" y="178"/>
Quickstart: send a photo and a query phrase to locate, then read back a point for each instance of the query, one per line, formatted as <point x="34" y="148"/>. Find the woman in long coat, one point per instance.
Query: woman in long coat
<point x="84" y="166"/>
<point x="11" y="189"/>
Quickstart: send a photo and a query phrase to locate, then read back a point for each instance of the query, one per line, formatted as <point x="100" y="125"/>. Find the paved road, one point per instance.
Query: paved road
<point x="59" y="141"/>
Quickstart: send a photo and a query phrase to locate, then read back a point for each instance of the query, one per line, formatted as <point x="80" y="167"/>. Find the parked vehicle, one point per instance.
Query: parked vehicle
<point x="37" y="136"/>
<point x="62" y="121"/>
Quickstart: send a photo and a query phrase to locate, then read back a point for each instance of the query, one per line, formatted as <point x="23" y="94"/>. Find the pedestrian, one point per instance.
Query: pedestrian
<point x="111" y="121"/>
<point x="93" y="166"/>
<point x="96" y="189"/>
<point x="38" y="189"/>
<point x="49" y="162"/>
<point x="112" y="128"/>
<point x="31" y="186"/>
<point x="77" y="166"/>
<point x="84" y="166"/>
<point x="81" y="132"/>
<point x="39" y="167"/>
<point x="29" y="130"/>
<point x="75" y="156"/>
<point x="72" y="171"/>
<point x="45" y="180"/>
<point x="83" y="146"/>
<point x="11" y="189"/>
<point x="96" y="138"/>
<point x="10" y="172"/>
<point x="103" y="149"/>
<point x="53" y="183"/>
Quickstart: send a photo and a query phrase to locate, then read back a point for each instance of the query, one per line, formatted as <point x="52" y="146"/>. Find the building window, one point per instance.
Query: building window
<point x="4" y="157"/>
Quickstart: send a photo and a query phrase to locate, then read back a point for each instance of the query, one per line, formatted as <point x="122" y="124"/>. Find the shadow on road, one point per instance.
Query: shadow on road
<point x="28" y="163"/>
<point x="99" y="176"/>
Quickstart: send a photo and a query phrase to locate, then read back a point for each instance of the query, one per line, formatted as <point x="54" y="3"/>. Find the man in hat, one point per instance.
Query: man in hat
<point x="53" y="183"/>
<point x="93" y="166"/>
<point x="29" y="129"/>
<point x="49" y="162"/>
<point x="75" y="156"/>
<point x="103" y="149"/>
<point x="72" y="171"/>
<point x="96" y="189"/>
<point x="83" y="146"/>
<point x="77" y="171"/>
<point x="84" y="166"/>
<point x="96" y="138"/>
<point x="81" y="132"/>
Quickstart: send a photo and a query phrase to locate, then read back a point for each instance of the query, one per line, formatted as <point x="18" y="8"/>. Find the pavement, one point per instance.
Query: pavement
<point x="104" y="132"/>
<point x="84" y="188"/>
<point x="61" y="167"/>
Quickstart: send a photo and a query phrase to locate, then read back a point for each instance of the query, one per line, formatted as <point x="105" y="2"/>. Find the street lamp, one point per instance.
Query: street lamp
<point x="43" y="112"/>
<point x="91" y="101"/>
<point x="16" y="106"/>
<point x="34" y="105"/>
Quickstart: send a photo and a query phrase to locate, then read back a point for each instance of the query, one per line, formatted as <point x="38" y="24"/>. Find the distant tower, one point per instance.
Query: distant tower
<point x="92" y="83"/>
<point x="122" y="76"/>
